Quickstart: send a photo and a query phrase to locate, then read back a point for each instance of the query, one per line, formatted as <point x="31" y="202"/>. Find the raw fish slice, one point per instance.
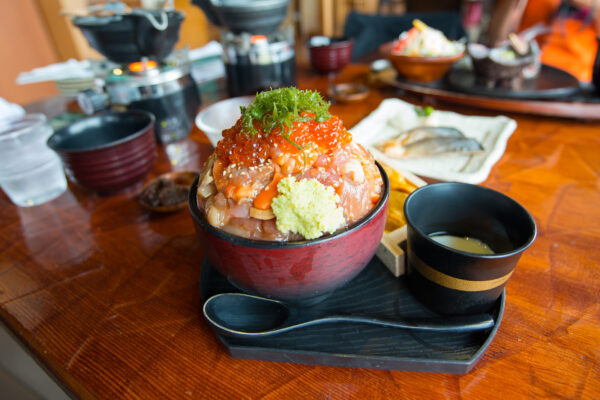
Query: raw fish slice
<point x="434" y="146"/>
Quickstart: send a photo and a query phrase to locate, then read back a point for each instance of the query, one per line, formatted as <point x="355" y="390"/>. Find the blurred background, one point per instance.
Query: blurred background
<point x="36" y="33"/>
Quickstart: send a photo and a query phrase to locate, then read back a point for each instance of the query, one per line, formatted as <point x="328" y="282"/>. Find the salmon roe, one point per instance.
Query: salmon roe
<point x="237" y="147"/>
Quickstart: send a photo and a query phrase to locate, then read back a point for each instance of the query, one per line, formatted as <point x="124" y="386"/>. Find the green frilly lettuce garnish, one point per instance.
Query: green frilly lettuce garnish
<point x="280" y="108"/>
<point x="423" y="111"/>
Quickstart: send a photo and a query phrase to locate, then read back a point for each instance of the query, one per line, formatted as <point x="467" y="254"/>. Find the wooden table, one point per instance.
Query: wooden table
<point x="105" y="294"/>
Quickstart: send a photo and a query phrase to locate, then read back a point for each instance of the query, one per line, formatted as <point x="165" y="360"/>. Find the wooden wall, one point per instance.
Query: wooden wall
<point x="67" y="38"/>
<point x="33" y="34"/>
<point x="24" y="45"/>
<point x="195" y="31"/>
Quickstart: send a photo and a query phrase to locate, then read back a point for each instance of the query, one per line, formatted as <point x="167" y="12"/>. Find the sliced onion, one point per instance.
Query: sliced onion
<point x="207" y="190"/>
<point x="216" y="216"/>
<point x="261" y="214"/>
<point x="206" y="176"/>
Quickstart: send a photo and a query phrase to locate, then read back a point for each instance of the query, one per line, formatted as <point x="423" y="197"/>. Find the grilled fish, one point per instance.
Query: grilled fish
<point x="432" y="146"/>
<point x="426" y="132"/>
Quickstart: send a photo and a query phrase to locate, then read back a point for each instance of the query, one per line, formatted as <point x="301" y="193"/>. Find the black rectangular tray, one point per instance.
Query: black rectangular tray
<point x="377" y="292"/>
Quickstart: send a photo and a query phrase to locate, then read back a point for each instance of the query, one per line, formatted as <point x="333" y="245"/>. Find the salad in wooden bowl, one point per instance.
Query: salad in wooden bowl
<point x="423" y="54"/>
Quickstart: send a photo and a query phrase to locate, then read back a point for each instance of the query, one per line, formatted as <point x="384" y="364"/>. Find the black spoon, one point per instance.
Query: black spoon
<point x="238" y="314"/>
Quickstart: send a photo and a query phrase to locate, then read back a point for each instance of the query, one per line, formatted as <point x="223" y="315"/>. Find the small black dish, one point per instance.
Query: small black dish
<point x="167" y="192"/>
<point x="375" y="292"/>
<point x="596" y="68"/>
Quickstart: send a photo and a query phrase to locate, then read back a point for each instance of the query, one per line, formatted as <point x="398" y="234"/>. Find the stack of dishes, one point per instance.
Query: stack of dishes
<point x="71" y="87"/>
<point x="107" y="153"/>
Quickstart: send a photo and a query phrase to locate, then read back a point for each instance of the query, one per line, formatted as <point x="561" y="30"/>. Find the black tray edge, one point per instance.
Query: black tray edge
<point x="564" y="92"/>
<point x="356" y="361"/>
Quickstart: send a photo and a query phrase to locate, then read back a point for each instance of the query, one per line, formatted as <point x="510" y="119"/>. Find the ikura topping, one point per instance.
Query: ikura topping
<point x="291" y="120"/>
<point x="287" y="170"/>
<point x="307" y="138"/>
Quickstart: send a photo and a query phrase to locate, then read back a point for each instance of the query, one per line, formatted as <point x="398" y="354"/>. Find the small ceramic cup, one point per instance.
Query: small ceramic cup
<point x="451" y="281"/>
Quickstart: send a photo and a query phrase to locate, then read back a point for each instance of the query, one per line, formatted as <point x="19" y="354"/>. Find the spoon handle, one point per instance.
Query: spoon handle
<point x="466" y="323"/>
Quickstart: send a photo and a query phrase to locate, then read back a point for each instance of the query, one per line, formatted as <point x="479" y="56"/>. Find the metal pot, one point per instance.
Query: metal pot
<point x="254" y="17"/>
<point x="127" y="38"/>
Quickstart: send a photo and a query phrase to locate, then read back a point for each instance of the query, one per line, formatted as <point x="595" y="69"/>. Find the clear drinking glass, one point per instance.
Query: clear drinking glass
<point x="30" y="172"/>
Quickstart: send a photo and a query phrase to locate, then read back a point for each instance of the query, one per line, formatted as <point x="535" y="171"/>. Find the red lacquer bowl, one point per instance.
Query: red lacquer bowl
<point x="301" y="272"/>
<point x="331" y="57"/>
<point x="108" y="153"/>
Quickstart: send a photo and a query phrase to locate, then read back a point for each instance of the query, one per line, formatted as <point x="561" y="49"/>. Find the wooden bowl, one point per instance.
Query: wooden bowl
<point x="154" y="192"/>
<point x="418" y="68"/>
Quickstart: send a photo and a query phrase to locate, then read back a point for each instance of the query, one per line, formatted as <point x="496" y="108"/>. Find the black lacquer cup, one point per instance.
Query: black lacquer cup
<point x="451" y="281"/>
<point x="596" y="68"/>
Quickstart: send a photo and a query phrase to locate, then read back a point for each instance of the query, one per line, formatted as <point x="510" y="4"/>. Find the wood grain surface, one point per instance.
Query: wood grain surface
<point x="105" y="293"/>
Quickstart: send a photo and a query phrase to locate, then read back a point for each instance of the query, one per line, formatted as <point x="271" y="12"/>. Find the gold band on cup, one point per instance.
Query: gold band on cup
<point x="451" y="282"/>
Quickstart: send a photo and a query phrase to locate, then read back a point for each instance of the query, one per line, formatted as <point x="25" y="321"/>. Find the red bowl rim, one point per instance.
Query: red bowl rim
<point x="270" y="244"/>
<point x="128" y="138"/>
<point x="341" y="42"/>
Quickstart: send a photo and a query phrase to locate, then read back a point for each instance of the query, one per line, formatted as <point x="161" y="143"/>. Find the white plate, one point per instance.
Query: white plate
<point x="220" y="115"/>
<point x="394" y="115"/>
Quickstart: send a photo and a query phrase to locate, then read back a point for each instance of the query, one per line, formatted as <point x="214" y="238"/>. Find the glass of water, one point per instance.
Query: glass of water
<point x="30" y="172"/>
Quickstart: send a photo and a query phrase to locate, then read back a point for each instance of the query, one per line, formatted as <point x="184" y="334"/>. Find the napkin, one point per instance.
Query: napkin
<point x="71" y="69"/>
<point x="211" y="49"/>
<point x="207" y="62"/>
<point x="10" y="110"/>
